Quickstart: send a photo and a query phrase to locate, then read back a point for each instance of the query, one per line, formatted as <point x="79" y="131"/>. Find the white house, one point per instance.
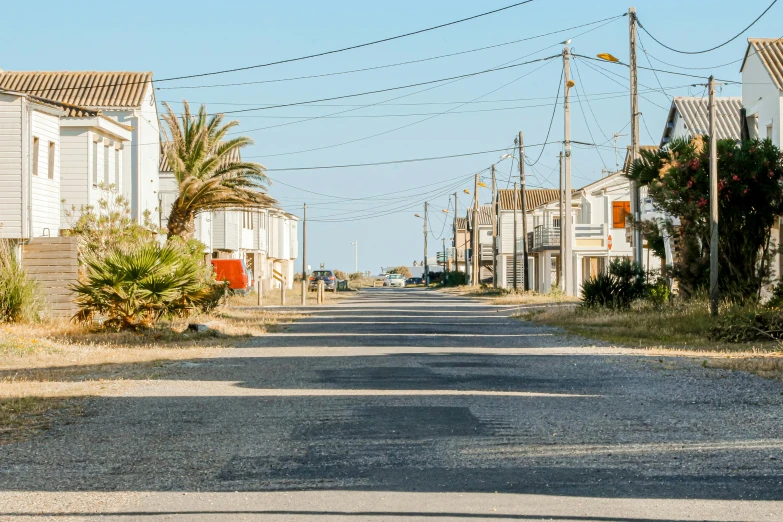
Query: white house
<point x="128" y="98"/>
<point x="689" y="117"/>
<point x="29" y="166"/>
<point x="481" y="229"/>
<point x="507" y="206"/>
<point x="762" y="87"/>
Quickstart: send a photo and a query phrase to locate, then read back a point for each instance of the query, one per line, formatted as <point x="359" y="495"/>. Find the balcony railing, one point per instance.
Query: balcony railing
<point x="486" y="252"/>
<point x="549" y="237"/>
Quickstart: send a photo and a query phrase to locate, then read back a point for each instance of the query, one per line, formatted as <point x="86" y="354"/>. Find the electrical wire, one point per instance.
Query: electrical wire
<point x="398" y="64"/>
<point x="587" y="99"/>
<point x="603" y="72"/>
<point x="655" y="73"/>
<point x="589" y="130"/>
<point x="639" y="22"/>
<point x="551" y="120"/>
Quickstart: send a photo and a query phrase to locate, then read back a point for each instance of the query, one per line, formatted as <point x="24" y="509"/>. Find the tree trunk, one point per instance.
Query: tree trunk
<point x="182" y="224"/>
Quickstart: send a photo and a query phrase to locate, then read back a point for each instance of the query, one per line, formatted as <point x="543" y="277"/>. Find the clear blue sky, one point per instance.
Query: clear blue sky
<point x="180" y="38"/>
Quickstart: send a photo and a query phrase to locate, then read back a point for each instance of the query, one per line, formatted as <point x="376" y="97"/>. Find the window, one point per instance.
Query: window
<point x="35" y="156"/>
<point x="620" y="209"/>
<point x="94" y="163"/>
<point x="106" y="179"/>
<point x="50" y="165"/>
<point x="556" y="222"/>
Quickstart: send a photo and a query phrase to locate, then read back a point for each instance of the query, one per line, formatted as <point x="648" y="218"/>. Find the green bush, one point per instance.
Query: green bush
<point x="748" y="324"/>
<point x="132" y="289"/>
<point x="618" y="287"/>
<point x="658" y="293"/>
<point x="454" y="278"/>
<point x="19" y="297"/>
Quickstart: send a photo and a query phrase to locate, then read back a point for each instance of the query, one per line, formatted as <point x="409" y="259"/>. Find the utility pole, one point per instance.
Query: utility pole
<point x="474" y="266"/>
<point x="565" y="223"/>
<point x="494" y="231"/>
<point x="456" y="240"/>
<point x="445" y="259"/>
<point x="515" y="238"/>
<point x="635" y="207"/>
<point x="356" y="255"/>
<point x="560" y="279"/>
<point x="304" y="255"/>
<point x="426" y="266"/>
<point x="714" y="295"/>
<point x="523" y="205"/>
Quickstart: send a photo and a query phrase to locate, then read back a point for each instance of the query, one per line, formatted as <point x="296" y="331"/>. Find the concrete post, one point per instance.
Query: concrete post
<point x="260" y="291"/>
<point x="304" y="292"/>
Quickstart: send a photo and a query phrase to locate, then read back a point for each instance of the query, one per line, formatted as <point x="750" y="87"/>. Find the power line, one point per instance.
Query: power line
<point x="711" y="48"/>
<point x="654" y="72"/>
<point x="651" y="69"/>
<point x="398" y="64"/>
<point x="554" y="109"/>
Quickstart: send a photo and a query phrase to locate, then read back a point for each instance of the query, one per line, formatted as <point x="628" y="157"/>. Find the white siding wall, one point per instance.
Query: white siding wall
<point x="46" y="192"/>
<point x="263" y="231"/>
<point x="274" y="234"/>
<point x="506" y="230"/>
<point x="10" y="166"/>
<point x="760" y="95"/>
<point x="74" y="172"/>
<point x="293" y="235"/>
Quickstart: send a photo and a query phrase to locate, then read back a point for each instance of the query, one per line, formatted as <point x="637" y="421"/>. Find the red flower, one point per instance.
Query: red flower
<point x="735" y="177"/>
<point x="702" y="203"/>
<point x="745" y="191"/>
<point x="694" y="164"/>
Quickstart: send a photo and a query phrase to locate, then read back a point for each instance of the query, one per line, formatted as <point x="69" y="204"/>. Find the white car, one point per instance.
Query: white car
<point x="395" y="280"/>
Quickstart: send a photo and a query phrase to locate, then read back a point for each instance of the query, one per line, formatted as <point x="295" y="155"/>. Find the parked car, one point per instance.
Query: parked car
<point x="395" y="280"/>
<point x="327" y="276"/>
<point x="235" y="272"/>
<point x="414" y="281"/>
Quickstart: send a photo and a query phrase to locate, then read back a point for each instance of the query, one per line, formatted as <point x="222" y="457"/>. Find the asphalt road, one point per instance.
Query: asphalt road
<point x="411" y="405"/>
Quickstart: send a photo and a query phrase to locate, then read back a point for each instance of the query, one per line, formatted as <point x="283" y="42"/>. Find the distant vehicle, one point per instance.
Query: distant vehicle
<point x="395" y="280"/>
<point x="235" y="272"/>
<point x="414" y="281"/>
<point x="327" y="276"/>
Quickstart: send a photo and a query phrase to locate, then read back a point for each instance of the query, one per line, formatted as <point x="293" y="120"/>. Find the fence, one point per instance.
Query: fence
<point x="53" y="262"/>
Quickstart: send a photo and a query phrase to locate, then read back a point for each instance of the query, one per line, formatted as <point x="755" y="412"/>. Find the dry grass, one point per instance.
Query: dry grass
<point x="769" y="367"/>
<point x="43" y="365"/>
<point x="501" y="296"/>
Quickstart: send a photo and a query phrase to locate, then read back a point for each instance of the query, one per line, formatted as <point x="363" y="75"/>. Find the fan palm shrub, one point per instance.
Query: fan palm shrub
<point x="622" y="283"/>
<point x="208" y="170"/>
<point x="19" y="295"/>
<point x="134" y="288"/>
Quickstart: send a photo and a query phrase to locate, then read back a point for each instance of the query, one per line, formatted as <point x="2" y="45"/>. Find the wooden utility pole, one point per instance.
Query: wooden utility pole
<point x="560" y="279"/>
<point x="304" y="254"/>
<point x="516" y="242"/>
<point x="474" y="266"/>
<point x="635" y="206"/>
<point x="523" y="205"/>
<point x="426" y="266"/>
<point x="565" y="223"/>
<point x="494" y="231"/>
<point x="456" y="236"/>
<point x="714" y="294"/>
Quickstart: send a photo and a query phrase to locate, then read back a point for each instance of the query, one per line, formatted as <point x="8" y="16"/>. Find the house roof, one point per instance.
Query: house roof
<point x="770" y="52"/>
<point x="484" y="216"/>
<point x="462" y="223"/>
<point x="163" y="166"/>
<point x="533" y="198"/>
<point x="91" y="89"/>
<point x="695" y="112"/>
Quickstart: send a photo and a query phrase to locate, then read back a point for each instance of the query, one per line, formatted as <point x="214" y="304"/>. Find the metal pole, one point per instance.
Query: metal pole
<point x="456" y="241"/>
<point x="356" y="256"/>
<point x="304" y="292"/>
<point x="565" y="223"/>
<point x="426" y="266"/>
<point x="515" y="237"/>
<point x="635" y="207"/>
<point x="714" y="294"/>
<point x="445" y="260"/>
<point x="523" y="205"/>
<point x="494" y="231"/>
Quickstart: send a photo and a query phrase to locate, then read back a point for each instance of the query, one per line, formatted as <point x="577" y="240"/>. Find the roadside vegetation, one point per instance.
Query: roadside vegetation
<point x="627" y="306"/>
<point x="503" y="296"/>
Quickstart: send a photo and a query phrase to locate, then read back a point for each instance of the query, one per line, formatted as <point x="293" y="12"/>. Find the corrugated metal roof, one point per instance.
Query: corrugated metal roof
<point x="695" y="112"/>
<point x="485" y="215"/>
<point x="91" y="89"/>
<point x="233" y="157"/>
<point x="770" y="51"/>
<point x="462" y="223"/>
<point x="533" y="198"/>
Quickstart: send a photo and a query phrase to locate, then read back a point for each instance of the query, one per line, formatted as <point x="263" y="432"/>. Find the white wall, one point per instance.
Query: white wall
<point x="761" y="96"/>
<point x="506" y="230"/>
<point x="46" y="192"/>
<point x="10" y="166"/>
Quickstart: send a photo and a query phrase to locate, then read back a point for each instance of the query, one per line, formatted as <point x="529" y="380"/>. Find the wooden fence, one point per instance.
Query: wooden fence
<point x="53" y="262"/>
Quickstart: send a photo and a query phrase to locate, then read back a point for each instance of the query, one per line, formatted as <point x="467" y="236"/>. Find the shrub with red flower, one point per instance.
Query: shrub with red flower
<point x="751" y="197"/>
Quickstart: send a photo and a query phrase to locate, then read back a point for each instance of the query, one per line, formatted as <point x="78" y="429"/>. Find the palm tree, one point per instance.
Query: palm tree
<point x="208" y="169"/>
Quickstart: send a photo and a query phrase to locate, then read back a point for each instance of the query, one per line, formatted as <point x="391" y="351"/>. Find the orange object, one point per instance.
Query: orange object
<point x="609" y="242"/>
<point x="233" y="271"/>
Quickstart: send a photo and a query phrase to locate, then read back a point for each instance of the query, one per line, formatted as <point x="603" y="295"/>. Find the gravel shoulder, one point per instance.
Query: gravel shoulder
<point x="406" y="404"/>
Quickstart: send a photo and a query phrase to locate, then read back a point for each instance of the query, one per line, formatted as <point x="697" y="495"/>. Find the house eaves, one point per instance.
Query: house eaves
<point x="770" y="52"/>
